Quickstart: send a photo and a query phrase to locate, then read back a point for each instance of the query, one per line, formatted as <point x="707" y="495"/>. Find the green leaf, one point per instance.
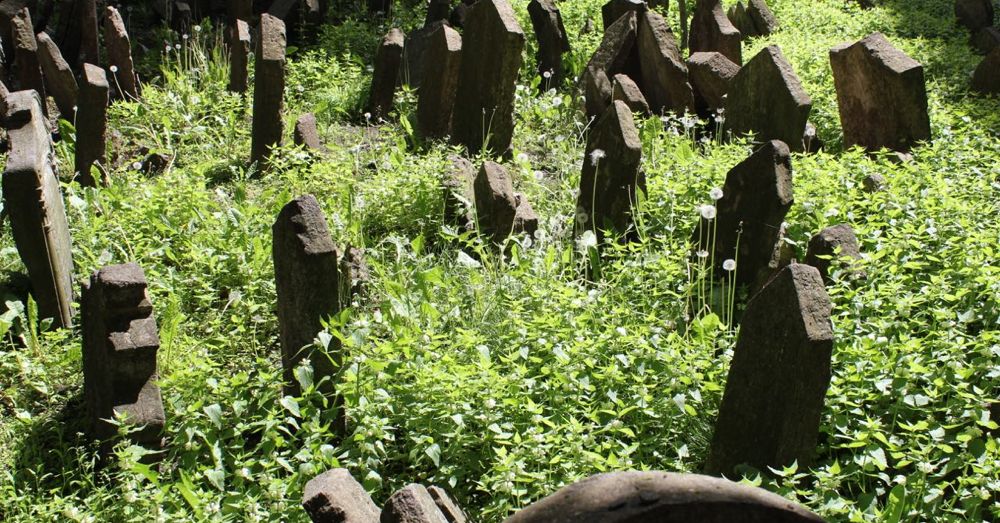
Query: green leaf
<point x="434" y="452"/>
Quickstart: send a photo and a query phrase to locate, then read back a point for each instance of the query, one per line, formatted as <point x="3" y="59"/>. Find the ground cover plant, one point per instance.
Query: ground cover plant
<point x="503" y="378"/>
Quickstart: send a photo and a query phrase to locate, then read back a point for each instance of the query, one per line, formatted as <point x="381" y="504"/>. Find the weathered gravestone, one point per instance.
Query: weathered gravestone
<point x="27" y="69"/>
<point x="624" y="89"/>
<point x="89" y="40"/>
<point x="664" y="74"/>
<point x="711" y="30"/>
<point x="59" y="79"/>
<point x="120" y="341"/>
<point x="974" y="14"/>
<point x="986" y="78"/>
<point x="335" y="497"/>
<point x="834" y="244"/>
<point x="615" y="9"/>
<point x="484" y="108"/>
<point x="308" y="283"/>
<point x="500" y="212"/>
<point x="412" y="504"/>
<point x="354" y="275"/>
<point x="881" y="94"/>
<point x="386" y="74"/>
<point x="747" y="226"/>
<point x="614" y="56"/>
<point x="119" y="49"/>
<point x="553" y="42"/>
<point x="771" y="408"/>
<point x="239" y="56"/>
<point x="754" y="19"/>
<point x="33" y="202"/>
<point x="306" y="133"/>
<point x="436" y="100"/>
<point x="610" y="180"/>
<point x="662" y="497"/>
<point x="711" y="75"/>
<point x="459" y="198"/>
<point x="452" y="512"/>
<point x="767" y="100"/>
<point x="268" y="88"/>
<point x="414" y="48"/>
<point x="91" y="126"/>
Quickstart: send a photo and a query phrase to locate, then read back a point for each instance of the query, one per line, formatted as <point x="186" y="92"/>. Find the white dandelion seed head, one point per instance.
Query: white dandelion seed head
<point x="184" y="36"/>
<point x="368" y="116"/>
<point x="708" y="212"/>
<point x="581" y="216"/>
<point x="547" y="75"/>
<point x="702" y="254"/>
<point x="177" y="46"/>
<point x="586" y="240"/>
<point x="197" y="28"/>
<point x="114" y="68"/>
<point x="137" y="165"/>
<point x="596" y="155"/>
<point x="715" y="193"/>
<point x="729" y="265"/>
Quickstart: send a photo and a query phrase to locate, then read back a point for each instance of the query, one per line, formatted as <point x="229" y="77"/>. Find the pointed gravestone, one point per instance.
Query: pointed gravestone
<point x="414" y="48"/>
<point x="59" y="79"/>
<point x="834" y="243"/>
<point x="91" y="126"/>
<point x="662" y="497"/>
<point x="664" y="73"/>
<point x="747" y="226"/>
<point x="986" y="78"/>
<point x="412" y="504"/>
<point x="711" y="30"/>
<point x="624" y="89"/>
<point x="500" y="212"/>
<point x="553" y="42"/>
<point x="120" y="341"/>
<point x="767" y="100"/>
<point x="974" y="14"/>
<point x="34" y="204"/>
<point x="436" y="100"/>
<point x="755" y="19"/>
<point x="119" y="50"/>
<point x="771" y="408"/>
<point x="615" y="55"/>
<point x="881" y="94"/>
<point x="336" y="497"/>
<point x="711" y="75"/>
<point x="610" y="181"/>
<point x="306" y="134"/>
<point x="484" y="107"/>
<point x="268" y="88"/>
<point x="615" y="9"/>
<point x="27" y="68"/>
<point x="386" y="74"/>
<point x="452" y="512"/>
<point x="239" y="56"/>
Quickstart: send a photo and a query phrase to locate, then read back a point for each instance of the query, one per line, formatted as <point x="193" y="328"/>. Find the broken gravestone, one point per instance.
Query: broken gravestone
<point x="59" y="79"/>
<point x="335" y="497"/>
<point x="552" y="39"/>
<point x="34" y="204"/>
<point x="754" y="19"/>
<point x="119" y="50"/>
<point x="239" y="56"/>
<point x="484" y="106"/>
<point x="711" y="30"/>
<point x="615" y="9"/>
<point x="767" y="100"/>
<point x="452" y="512"/>
<point x="613" y="56"/>
<point x="120" y="341"/>
<point x="268" y="89"/>
<point x="92" y="126"/>
<point x="500" y="212"/>
<point x="624" y="89"/>
<point x="771" y="408"/>
<point x="436" y="99"/>
<point x="986" y="78"/>
<point x="386" y="74"/>
<point x="412" y="504"/>
<point x="881" y="94"/>
<point x="835" y="246"/>
<point x="306" y="134"/>
<point x="664" y="497"/>
<point x="711" y="75"/>
<point x="27" y="69"/>
<point x="664" y="74"/>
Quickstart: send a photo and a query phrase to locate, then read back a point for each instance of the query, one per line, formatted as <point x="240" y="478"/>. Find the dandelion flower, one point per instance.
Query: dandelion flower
<point x="708" y="212"/>
<point x="114" y="68"/>
<point x="715" y="193"/>
<point x="368" y="116"/>
<point x="586" y="241"/>
<point x="547" y="75"/>
<point x="197" y="28"/>
<point x="702" y="254"/>
<point x="729" y="265"/>
<point x="137" y="165"/>
<point x="596" y="155"/>
<point x="184" y="36"/>
<point x="581" y="216"/>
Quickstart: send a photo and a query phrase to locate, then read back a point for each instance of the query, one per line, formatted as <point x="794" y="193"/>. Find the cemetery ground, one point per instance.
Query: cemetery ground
<point x="504" y="375"/>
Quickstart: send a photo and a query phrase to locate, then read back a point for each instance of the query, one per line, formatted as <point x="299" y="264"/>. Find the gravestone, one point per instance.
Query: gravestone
<point x="553" y="42"/>
<point x="459" y="198"/>
<point x="119" y="49"/>
<point x="460" y="13"/>
<point x="500" y="212"/>
<point x="974" y="14"/>
<point x="615" y="55"/>
<point x="767" y="100"/>
<point x="335" y="497"/>
<point x="833" y="244"/>
<point x="773" y="401"/>
<point x="120" y="341"/>
<point x="436" y="98"/>
<point x="4" y="93"/>
<point x="354" y="275"/>
<point x="610" y="179"/>
<point x="615" y="9"/>
<point x="754" y="19"/>
<point x="437" y="10"/>
<point x="414" y="48"/>
<point x="484" y="107"/>
<point x="268" y="88"/>
<point x="386" y="74"/>
<point x="239" y="56"/>
<point x="308" y="285"/>
<point x="306" y="133"/>
<point x="755" y="199"/>
<point x="27" y="69"/>
<point x="412" y="504"/>
<point x="986" y="78"/>
<point x="92" y="126"/>
<point x="662" y="497"/>
<point x="881" y="94"/>
<point x="986" y="40"/>
<point x="873" y="183"/>
<point x="597" y="91"/>
<point x="33" y="203"/>
<point x="59" y="79"/>
<point x="664" y="73"/>
<point x="452" y="512"/>
<point x="711" y="74"/>
<point x="624" y="89"/>
<point x="711" y="30"/>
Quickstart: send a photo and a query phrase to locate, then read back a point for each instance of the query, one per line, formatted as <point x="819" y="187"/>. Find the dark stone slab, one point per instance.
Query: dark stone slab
<point x="59" y="79"/>
<point x="553" y="42"/>
<point x="767" y="100"/>
<point x="834" y="244"/>
<point x="974" y="14"/>
<point x="499" y="211"/>
<point x="598" y="90"/>
<point x="615" y="9"/>
<point x="711" y="30"/>
<point x="306" y="133"/>
<point x="239" y="56"/>
<point x="412" y="504"/>
<point x="436" y="98"/>
<point x="335" y="497"/>
<point x="711" y="74"/>
<point x="119" y="50"/>
<point x="986" y="39"/>
<point x="881" y="94"/>
<point x="662" y="497"/>
<point x="437" y="10"/>
<point x="779" y="375"/>
<point x="459" y="198"/>
<point x="33" y="203"/>
<point x="460" y="13"/>
<point x="754" y="19"/>
<point x="268" y="89"/>
<point x="386" y="74"/>
<point x="412" y="69"/>
<point x="92" y="126"/>
<point x="624" y="89"/>
<point x="27" y="68"/>
<point x="664" y="73"/>
<point x="452" y="512"/>
<point x="986" y="78"/>
<point x="89" y="40"/>
<point x="615" y="55"/>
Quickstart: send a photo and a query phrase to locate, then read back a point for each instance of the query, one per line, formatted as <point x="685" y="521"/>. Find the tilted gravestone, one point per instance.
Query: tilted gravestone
<point x="436" y="99"/>
<point x="771" y="408"/>
<point x="268" y="88"/>
<point x="624" y="89"/>
<point x="754" y="19"/>
<point x="33" y="202"/>
<point x="615" y="9"/>
<point x="986" y="78"/>
<point x="500" y="212"/>
<point x="239" y="56"/>
<point x="835" y="245"/>
<point x="307" y="279"/>
<point x="662" y="497"/>
<point x="553" y="42"/>
<point x="610" y="180"/>
<point x="881" y="94"/>
<point x="613" y="56"/>
<point x="27" y="68"/>
<point x="120" y="341"/>
<point x="92" y="126"/>
<point x="386" y="74"/>
<point x="756" y="197"/>
<point x="974" y="14"/>
<point x="664" y="73"/>
<point x="484" y="108"/>
<point x="767" y="100"/>
<point x="711" y="30"/>
<point x="335" y="497"/>
<point x="412" y="504"/>
<point x="306" y="133"/>
<point x="119" y="50"/>
<point x="711" y="74"/>
<point x="59" y="79"/>
<point x="452" y="512"/>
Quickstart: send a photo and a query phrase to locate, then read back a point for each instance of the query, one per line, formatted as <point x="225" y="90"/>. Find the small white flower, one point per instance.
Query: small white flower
<point x="137" y="165"/>
<point x="586" y="241"/>
<point x="547" y="75"/>
<point x="184" y="36"/>
<point x="197" y="28"/>
<point x="596" y="155"/>
<point x="708" y="212"/>
<point x="114" y="68"/>
<point x="557" y="101"/>
<point x="702" y="254"/>
<point x="177" y="46"/>
<point x="729" y="265"/>
<point x="715" y="193"/>
<point x="368" y="116"/>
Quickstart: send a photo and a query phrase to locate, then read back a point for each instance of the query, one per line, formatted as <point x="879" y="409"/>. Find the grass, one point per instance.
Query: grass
<point x="503" y="379"/>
